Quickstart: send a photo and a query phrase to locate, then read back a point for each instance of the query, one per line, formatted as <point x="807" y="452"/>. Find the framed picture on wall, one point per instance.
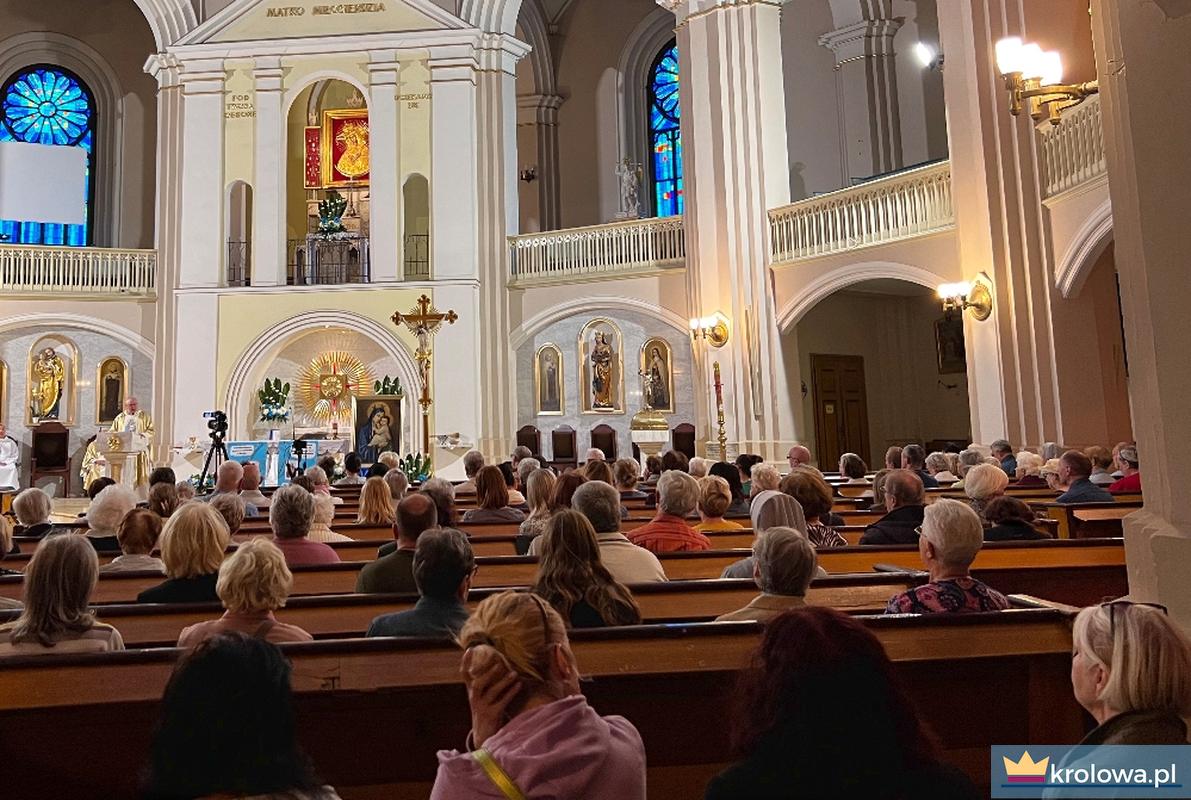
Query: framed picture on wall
<point x="949" y="343"/>
<point x="111" y="382"/>
<point x="548" y="381"/>
<point x="657" y="373"/>
<point x="377" y="426"/>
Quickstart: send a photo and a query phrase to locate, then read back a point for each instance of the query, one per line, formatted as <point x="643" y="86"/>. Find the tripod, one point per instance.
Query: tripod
<point x="217" y="446"/>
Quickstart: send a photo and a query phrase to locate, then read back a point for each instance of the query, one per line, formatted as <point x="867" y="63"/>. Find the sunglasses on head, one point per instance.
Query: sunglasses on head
<point x="1113" y="605"/>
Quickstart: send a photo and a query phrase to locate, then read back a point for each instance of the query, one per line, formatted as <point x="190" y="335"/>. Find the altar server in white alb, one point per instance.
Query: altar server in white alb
<point x="10" y="460"/>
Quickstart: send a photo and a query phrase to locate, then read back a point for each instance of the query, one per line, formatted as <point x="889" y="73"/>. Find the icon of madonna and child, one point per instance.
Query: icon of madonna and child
<point x="378" y="429"/>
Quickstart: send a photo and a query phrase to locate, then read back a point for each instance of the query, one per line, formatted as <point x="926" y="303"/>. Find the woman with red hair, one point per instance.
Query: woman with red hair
<point x="821" y="712"/>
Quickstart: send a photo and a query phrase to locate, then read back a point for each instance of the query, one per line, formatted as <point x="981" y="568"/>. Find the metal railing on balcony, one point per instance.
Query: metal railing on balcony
<point x="904" y="205"/>
<point x="1073" y="151"/>
<point x="77" y="270"/>
<point x="617" y="249"/>
<point x="314" y="261"/>
<point x="239" y="262"/>
<point x="417" y="257"/>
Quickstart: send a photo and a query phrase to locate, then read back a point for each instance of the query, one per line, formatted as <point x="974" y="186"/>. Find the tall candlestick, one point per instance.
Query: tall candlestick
<point x="719" y="407"/>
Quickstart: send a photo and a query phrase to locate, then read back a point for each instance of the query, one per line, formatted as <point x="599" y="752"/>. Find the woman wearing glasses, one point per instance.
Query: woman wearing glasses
<point x="533" y="733"/>
<point x="1131" y="670"/>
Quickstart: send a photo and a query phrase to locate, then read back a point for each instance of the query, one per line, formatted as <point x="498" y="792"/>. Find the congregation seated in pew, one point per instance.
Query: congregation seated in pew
<point x="7" y="548"/>
<point x="949" y="539"/>
<point x="104" y="516"/>
<point x="253" y="583"/>
<point x="318" y="484"/>
<point x="193" y="543"/>
<point x="163" y="499"/>
<point x="573" y="579"/>
<point x="492" y="499"/>
<point x="228" y="477"/>
<point x="443" y="495"/>
<point x="763" y="478"/>
<point x="351" y="471"/>
<point x="1075" y="471"/>
<point x="626" y="473"/>
<point x="32" y="508"/>
<point x="138" y="534"/>
<point x="529" y="716"/>
<point x="783" y="567"/>
<point x="443" y="567"/>
<point x="56" y="618"/>
<point x="815" y="497"/>
<point x="821" y="708"/>
<point x="290" y="516"/>
<point x="376" y="503"/>
<point x="983" y="484"/>
<point x="770" y="510"/>
<point x="393" y="570"/>
<point x="715" y="496"/>
<point x="905" y="500"/>
<point x="231" y="508"/>
<point x="250" y="486"/>
<point x="323" y="518"/>
<point x="1010" y="519"/>
<point x="539" y="492"/>
<point x="668" y="531"/>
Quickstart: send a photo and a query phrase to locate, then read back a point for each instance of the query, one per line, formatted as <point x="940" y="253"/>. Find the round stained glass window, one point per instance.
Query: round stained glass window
<point x="46" y="105"/>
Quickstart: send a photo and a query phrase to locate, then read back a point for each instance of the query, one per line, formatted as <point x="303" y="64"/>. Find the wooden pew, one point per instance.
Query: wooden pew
<point x="347" y="616"/>
<point x="1089" y="520"/>
<point x="384" y="697"/>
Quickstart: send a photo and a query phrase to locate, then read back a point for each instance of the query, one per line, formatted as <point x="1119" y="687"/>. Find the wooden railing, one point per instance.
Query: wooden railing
<point x="1073" y="151"/>
<point x="76" y="270"/>
<point x="901" y="206"/>
<point x="613" y="250"/>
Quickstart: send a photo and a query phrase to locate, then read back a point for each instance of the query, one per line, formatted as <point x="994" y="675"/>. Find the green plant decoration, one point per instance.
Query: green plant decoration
<point x="274" y="399"/>
<point x="330" y="215"/>
<point x="416" y="467"/>
<point x="388" y="386"/>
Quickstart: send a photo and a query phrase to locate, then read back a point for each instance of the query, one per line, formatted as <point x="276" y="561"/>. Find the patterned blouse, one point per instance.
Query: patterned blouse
<point x="954" y="596"/>
<point x="824" y="536"/>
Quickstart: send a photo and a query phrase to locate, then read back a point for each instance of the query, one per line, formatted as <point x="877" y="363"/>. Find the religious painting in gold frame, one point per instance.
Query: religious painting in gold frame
<point x="38" y="377"/>
<point x="111" y="387"/>
<point x="657" y="372"/>
<point x="601" y="368"/>
<point x="345" y="148"/>
<point x="376" y="425"/>
<point x="548" y="384"/>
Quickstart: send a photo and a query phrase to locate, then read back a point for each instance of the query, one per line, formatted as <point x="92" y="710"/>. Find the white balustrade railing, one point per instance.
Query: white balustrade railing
<point x="76" y="270"/>
<point x="618" y="248"/>
<point x="902" y="206"/>
<point x="1073" y="150"/>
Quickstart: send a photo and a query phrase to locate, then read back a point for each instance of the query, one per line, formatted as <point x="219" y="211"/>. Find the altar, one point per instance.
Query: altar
<point x="271" y="457"/>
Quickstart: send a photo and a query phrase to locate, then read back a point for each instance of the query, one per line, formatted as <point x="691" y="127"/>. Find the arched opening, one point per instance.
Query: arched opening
<point x="327" y="172"/>
<point x="415" y="197"/>
<point x="238" y="224"/>
<point x="665" y="136"/>
<point x="1091" y="361"/>
<point x="881" y="365"/>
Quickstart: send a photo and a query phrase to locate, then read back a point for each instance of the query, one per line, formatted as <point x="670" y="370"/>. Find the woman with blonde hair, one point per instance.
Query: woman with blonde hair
<point x="492" y="499"/>
<point x="253" y="583"/>
<point x="531" y="725"/>
<point x="572" y="576"/>
<point x="983" y="484"/>
<point x="324" y="515"/>
<point x="714" y="498"/>
<point x="376" y="503"/>
<point x="1131" y="670"/>
<point x="56" y="619"/>
<point x="538" y="491"/>
<point x="192" y="546"/>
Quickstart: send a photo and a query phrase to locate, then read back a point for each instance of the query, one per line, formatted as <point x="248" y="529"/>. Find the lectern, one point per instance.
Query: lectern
<point x="120" y="449"/>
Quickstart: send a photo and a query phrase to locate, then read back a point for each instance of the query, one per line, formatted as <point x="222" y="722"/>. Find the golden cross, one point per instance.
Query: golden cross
<point x="423" y="321"/>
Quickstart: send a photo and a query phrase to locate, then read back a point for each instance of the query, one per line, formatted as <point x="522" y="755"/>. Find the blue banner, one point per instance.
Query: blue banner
<point x="1139" y="771"/>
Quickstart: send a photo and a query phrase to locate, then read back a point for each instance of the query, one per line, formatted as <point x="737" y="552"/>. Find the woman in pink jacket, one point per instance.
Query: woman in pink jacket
<point x="533" y="734"/>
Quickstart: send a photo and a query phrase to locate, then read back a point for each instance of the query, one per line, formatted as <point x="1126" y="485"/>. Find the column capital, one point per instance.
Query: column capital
<point x="267" y="73"/>
<point x="383" y="68"/>
<point x="539" y="109"/>
<point x="865" y="39"/>
<point x="165" y="69"/>
<point x="686" y="9"/>
<point x="203" y="76"/>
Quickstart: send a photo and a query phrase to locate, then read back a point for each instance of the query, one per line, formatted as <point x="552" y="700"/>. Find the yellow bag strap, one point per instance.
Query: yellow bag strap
<point x="498" y="776"/>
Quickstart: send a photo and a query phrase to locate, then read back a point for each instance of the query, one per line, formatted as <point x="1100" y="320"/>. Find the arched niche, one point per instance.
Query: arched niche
<point x="238" y="225"/>
<point x="601" y="367"/>
<point x="62" y="354"/>
<point x="113" y="383"/>
<point x="415" y="195"/>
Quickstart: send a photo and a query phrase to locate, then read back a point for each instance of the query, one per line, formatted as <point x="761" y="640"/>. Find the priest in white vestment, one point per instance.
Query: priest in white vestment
<point x="133" y="419"/>
<point x="10" y="460"/>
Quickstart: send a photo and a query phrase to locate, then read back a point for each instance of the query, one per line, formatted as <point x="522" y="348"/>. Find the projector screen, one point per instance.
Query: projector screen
<point x="43" y="183"/>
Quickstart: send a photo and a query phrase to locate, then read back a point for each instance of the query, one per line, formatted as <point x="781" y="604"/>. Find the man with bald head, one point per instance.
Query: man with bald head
<point x="394" y="573"/>
<point x="228" y="478"/>
<point x="905" y="502"/>
<point x="250" y="486"/>
<point x="798" y="456"/>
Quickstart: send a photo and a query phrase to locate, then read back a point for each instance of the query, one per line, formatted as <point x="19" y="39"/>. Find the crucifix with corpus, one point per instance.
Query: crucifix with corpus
<point x="424" y="321"/>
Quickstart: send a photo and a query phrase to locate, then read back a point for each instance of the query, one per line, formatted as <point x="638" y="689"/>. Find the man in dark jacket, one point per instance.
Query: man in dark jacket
<point x="905" y="500"/>
<point x="1075" y="470"/>
<point x="914" y="460"/>
<point x="443" y="569"/>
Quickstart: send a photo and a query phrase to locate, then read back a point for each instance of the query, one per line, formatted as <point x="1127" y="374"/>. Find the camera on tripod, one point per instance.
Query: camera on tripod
<point x="217" y="425"/>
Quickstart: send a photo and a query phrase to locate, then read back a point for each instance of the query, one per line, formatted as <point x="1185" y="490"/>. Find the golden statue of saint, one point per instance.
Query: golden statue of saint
<point x="354" y="161"/>
<point x="49" y="379"/>
<point x="601" y="382"/>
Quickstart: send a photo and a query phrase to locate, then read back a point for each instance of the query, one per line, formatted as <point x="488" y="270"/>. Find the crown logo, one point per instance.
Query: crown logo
<point x="1025" y="770"/>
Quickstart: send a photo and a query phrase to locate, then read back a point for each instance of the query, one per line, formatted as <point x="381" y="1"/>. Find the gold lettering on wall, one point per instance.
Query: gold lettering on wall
<point x="239" y="106"/>
<point x="349" y="8"/>
<point x="285" y="11"/>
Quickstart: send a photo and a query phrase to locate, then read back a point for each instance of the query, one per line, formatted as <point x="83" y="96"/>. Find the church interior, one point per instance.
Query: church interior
<point x="892" y="250"/>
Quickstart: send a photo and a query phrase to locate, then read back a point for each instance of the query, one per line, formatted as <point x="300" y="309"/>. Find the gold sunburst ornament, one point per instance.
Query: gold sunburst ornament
<point x="328" y="384"/>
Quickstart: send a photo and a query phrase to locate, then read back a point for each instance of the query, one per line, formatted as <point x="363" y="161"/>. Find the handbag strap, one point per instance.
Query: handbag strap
<point x="498" y="776"/>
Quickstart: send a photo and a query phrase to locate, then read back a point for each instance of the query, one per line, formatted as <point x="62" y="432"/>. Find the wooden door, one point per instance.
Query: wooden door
<point x="841" y="408"/>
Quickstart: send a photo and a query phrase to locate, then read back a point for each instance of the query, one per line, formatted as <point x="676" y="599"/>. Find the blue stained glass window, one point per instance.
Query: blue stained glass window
<point x="665" y="138"/>
<point x="49" y="105"/>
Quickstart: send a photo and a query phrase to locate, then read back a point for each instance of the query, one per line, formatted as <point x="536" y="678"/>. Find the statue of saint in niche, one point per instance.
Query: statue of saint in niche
<point x="49" y="378"/>
<point x="602" y="355"/>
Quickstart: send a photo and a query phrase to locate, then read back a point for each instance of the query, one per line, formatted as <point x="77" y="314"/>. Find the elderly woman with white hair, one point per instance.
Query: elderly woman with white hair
<point x="253" y="583"/>
<point x="318" y="478"/>
<point x="1029" y="470"/>
<point x="320" y="525"/>
<point x="938" y="466"/>
<point x="950" y="537"/>
<point x="983" y="484"/>
<point x="668" y="531"/>
<point x="784" y="565"/>
<point x="697" y="467"/>
<point x="32" y="508"/>
<point x="967" y="459"/>
<point x="1131" y="670"/>
<point x="105" y="514"/>
<point x="764" y="478"/>
<point x="290" y="516"/>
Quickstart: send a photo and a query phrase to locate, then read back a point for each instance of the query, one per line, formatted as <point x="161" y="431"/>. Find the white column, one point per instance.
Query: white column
<point x="384" y="185"/>
<point x="540" y="112"/>
<point x="454" y="204"/>
<point x="735" y="167"/>
<point x="866" y="84"/>
<point x="1146" y="129"/>
<point x="202" y="173"/>
<point x="269" y="193"/>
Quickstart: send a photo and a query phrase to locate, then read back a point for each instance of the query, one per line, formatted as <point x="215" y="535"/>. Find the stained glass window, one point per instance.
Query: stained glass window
<point x="665" y="139"/>
<point x="49" y="105"/>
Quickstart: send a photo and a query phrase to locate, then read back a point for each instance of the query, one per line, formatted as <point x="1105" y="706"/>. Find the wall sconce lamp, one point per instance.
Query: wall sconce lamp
<point x="974" y="296"/>
<point x="713" y="330"/>
<point x="1035" y="78"/>
<point x="529" y="174"/>
<point x="929" y="57"/>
